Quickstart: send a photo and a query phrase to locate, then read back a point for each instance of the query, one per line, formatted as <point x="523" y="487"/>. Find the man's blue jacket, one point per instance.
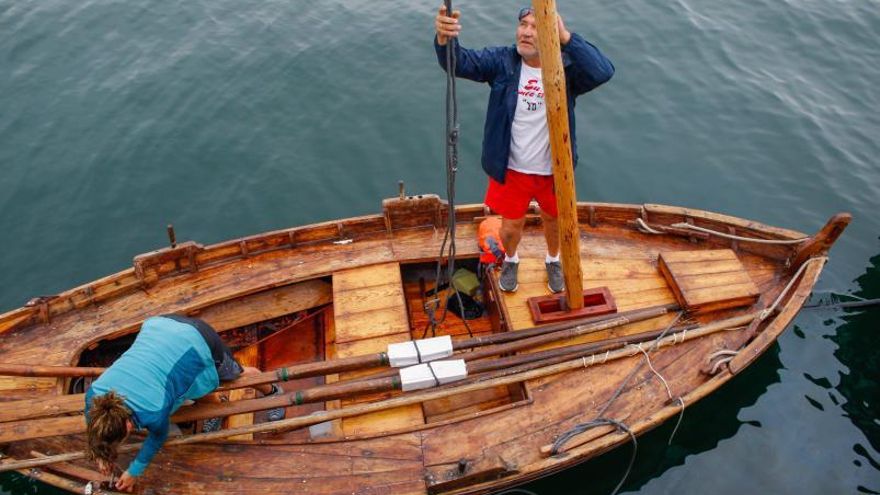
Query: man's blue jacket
<point x="586" y="68"/>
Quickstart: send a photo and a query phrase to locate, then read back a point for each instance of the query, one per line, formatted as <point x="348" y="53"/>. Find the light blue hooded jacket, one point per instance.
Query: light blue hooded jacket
<point x="168" y="363"/>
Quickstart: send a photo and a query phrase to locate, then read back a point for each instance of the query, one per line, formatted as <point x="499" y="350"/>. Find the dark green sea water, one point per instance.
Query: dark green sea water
<point x="228" y="118"/>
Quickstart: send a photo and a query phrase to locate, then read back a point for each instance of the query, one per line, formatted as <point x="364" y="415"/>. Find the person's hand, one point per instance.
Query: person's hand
<point x="126" y="482"/>
<point x="564" y="34"/>
<point x="447" y="27"/>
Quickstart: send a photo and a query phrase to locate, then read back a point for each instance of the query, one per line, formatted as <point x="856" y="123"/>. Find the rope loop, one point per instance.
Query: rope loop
<point x="683" y="225"/>
<point x="645" y="228"/>
<point x="580" y="428"/>
<point x="770" y="310"/>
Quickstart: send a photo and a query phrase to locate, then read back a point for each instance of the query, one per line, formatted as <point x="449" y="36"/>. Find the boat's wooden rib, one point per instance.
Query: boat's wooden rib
<point x="357" y="282"/>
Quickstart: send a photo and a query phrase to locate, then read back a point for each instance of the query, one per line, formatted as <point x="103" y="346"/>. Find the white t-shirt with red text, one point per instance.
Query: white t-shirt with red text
<point x="529" y="137"/>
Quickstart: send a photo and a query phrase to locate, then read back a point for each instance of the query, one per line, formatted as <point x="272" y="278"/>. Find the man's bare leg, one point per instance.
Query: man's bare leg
<point x="511" y="234"/>
<point x="551" y="234"/>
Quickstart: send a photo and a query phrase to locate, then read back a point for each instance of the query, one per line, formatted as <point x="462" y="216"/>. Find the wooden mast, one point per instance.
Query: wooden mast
<point x="555" y="99"/>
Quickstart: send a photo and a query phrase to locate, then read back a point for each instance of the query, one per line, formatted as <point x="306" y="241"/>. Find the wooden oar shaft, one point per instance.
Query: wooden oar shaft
<point x="47" y="371"/>
<point x="556" y="103"/>
<point x="568" y="333"/>
<point x="544" y="358"/>
<point x="307" y="370"/>
<point x="500" y="338"/>
<point x="320" y="393"/>
<point x="403" y="400"/>
<point x="59" y="481"/>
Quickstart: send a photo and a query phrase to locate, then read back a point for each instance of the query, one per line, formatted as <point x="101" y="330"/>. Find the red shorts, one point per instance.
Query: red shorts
<point x="511" y="199"/>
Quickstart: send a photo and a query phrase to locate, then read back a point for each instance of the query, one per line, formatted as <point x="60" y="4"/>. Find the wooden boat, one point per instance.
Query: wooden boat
<point x="321" y="296"/>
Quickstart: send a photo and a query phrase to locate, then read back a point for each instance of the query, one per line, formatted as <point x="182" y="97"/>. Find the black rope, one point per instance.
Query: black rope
<point x="578" y="429"/>
<point x="447" y="247"/>
<point x="418" y="352"/>
<point x="431" y="369"/>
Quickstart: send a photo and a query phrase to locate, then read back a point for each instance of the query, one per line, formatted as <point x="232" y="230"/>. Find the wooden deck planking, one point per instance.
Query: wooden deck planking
<point x="367" y="318"/>
<point x="646" y="290"/>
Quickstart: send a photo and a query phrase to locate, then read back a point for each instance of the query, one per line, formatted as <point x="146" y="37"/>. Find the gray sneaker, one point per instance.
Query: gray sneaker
<point x="555" y="280"/>
<point x="212" y="424"/>
<point x="507" y="281"/>
<point x="278" y="413"/>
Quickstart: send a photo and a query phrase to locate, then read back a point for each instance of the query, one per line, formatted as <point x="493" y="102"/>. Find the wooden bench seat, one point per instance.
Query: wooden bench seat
<point x="705" y="281"/>
<point x="369" y="313"/>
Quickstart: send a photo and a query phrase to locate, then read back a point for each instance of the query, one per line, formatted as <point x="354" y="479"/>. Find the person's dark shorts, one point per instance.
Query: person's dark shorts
<point x="227" y="367"/>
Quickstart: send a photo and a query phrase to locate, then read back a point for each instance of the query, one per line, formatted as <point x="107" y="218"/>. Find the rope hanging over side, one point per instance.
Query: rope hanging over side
<point x="769" y="311"/>
<point x="447" y="247"/>
<point x="577" y="430"/>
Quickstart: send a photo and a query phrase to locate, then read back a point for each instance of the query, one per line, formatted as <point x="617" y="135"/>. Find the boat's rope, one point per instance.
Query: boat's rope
<point x="769" y="311"/>
<point x="665" y="384"/>
<point x="647" y="229"/>
<point x="644" y="227"/>
<point x="447" y="247"/>
<point x="733" y="237"/>
<point x="577" y="430"/>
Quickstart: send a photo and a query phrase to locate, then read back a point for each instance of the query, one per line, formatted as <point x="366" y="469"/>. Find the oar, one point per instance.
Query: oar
<point x="500" y="378"/>
<point x="47" y="371"/>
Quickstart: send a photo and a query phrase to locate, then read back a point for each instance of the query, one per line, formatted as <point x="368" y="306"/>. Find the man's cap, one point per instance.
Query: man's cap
<point x="524" y="12"/>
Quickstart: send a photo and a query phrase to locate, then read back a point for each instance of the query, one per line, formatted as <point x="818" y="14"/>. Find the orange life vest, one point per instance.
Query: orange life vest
<point x="489" y="238"/>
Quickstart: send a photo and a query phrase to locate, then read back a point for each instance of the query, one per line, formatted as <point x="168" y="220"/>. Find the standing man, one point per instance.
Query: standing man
<point x="172" y="360"/>
<point x="516" y="141"/>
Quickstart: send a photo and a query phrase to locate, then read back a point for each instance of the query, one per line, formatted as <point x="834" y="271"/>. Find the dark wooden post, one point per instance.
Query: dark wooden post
<point x="555" y="98"/>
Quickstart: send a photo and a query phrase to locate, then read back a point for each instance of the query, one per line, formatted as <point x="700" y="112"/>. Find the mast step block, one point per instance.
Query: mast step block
<point x="553" y="308"/>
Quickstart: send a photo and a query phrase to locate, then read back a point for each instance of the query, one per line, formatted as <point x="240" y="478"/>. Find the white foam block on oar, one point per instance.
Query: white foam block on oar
<point x="431" y="374"/>
<point x="409" y="353"/>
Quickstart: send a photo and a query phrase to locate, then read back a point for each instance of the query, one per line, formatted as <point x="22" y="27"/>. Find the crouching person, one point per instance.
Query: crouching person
<point x="172" y="360"/>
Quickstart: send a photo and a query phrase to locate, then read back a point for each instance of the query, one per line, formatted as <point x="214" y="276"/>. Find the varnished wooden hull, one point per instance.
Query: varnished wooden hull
<point x="466" y="443"/>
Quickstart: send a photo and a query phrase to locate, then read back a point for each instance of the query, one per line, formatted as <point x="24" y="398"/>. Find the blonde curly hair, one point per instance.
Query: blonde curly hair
<point x="107" y="426"/>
